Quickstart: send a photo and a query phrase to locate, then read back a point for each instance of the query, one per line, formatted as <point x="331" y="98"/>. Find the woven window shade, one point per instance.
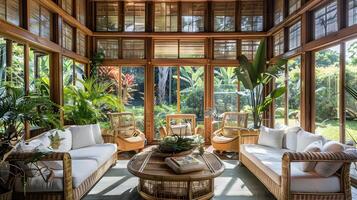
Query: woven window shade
<point x="252" y="8"/>
<point x="224" y="8"/>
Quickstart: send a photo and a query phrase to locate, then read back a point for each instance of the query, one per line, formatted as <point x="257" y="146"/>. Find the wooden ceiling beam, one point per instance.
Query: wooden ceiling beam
<point x="251" y="35"/>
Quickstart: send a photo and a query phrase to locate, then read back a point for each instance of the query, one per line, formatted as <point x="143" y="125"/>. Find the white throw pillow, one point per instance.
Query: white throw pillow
<point x="326" y="169"/>
<point x="313" y="147"/>
<point x="97" y="134"/>
<point x="305" y="138"/>
<point x="290" y="138"/>
<point x="82" y="136"/>
<point x="271" y="137"/>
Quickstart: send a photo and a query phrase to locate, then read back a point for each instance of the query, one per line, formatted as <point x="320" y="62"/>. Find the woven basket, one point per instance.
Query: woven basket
<point x="6" y="195"/>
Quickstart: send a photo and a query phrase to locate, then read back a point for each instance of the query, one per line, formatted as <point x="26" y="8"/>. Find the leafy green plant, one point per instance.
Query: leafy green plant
<point x="90" y="104"/>
<point x="16" y="109"/>
<point x="255" y="76"/>
<point x="176" y="144"/>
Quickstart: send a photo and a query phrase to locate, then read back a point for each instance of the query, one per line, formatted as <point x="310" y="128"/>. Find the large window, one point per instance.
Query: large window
<point x="325" y="20"/>
<point x="352" y="12"/>
<point x="249" y="48"/>
<point x="327" y="71"/>
<point x="278" y="11"/>
<point x="81" y="43"/>
<point x="279" y="43"/>
<point x="10" y="11"/>
<point x="67" y="5"/>
<point x="107" y="16"/>
<point x="166" y="48"/>
<point x="72" y="73"/>
<point x="351" y="81"/>
<point x="225" y="49"/>
<point x="294" y="5"/>
<point x="295" y="36"/>
<point x="252" y="16"/>
<point x="287" y="107"/>
<point x="226" y="98"/>
<point x="12" y="73"/>
<point x="178" y="90"/>
<point x="192" y="49"/>
<point x="166" y="17"/>
<point x="134" y="17"/>
<point x="67" y="37"/>
<point x="110" y="48"/>
<point x="81" y="11"/>
<point x="40" y="20"/>
<point x="224" y="16"/>
<point x="193" y="15"/>
<point x="39" y="72"/>
<point x="133" y="49"/>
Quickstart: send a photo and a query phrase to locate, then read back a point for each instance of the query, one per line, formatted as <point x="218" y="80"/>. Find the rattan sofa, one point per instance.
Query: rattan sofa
<point x="287" y="184"/>
<point x="81" y="169"/>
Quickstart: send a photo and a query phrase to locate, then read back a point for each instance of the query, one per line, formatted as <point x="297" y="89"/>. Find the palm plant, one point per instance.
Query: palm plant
<point x="16" y="109"/>
<point x="255" y="76"/>
<point x="89" y="104"/>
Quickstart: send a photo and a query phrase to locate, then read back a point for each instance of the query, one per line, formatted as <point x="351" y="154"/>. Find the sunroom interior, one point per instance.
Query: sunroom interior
<point x="233" y="78"/>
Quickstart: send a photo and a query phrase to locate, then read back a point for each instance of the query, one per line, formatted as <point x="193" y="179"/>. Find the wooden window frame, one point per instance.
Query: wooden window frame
<point x="170" y="15"/>
<point x="324" y="15"/>
<point x="134" y="16"/>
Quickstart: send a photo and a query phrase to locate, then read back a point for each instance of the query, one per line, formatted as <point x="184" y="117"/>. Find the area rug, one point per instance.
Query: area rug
<point x="236" y="183"/>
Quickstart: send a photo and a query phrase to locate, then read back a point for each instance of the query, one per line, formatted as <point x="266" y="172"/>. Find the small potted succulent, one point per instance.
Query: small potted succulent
<point x="176" y="145"/>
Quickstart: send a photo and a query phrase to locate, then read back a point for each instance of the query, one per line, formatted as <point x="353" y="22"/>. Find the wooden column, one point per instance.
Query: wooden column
<point x="27" y="82"/>
<point x="56" y="80"/>
<point x="342" y="96"/>
<point x="208" y="100"/>
<point x="307" y="88"/>
<point x="149" y="94"/>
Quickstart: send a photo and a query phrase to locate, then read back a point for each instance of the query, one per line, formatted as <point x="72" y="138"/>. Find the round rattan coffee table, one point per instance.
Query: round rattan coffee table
<point x="158" y="181"/>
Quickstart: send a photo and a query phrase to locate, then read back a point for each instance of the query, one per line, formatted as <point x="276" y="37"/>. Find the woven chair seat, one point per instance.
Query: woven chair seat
<point x="223" y="139"/>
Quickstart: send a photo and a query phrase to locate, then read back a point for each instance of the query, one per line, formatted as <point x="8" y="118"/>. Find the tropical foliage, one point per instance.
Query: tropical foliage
<point x="16" y="109"/>
<point x="254" y="76"/>
<point x="90" y="104"/>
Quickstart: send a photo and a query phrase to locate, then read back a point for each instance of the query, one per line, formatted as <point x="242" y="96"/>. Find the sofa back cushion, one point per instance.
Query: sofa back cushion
<point x="271" y="137"/>
<point x="305" y="138"/>
<point x="290" y="138"/>
<point x="326" y="169"/>
<point x="97" y="134"/>
<point x="82" y="136"/>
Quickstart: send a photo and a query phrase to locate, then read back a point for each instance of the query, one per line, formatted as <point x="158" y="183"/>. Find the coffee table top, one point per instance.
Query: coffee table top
<point x="147" y="166"/>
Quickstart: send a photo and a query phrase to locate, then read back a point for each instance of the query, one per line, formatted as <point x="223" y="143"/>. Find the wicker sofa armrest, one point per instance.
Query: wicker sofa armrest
<point x="248" y="137"/>
<point x="55" y="156"/>
<point x="344" y="172"/>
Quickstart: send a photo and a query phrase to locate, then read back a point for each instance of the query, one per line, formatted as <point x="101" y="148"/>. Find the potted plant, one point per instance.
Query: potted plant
<point x="17" y="110"/>
<point x="176" y="145"/>
<point x="255" y="76"/>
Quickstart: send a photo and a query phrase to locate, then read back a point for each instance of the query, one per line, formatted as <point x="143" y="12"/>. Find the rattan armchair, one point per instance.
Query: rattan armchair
<point x="227" y="138"/>
<point x="180" y="124"/>
<point x="126" y="135"/>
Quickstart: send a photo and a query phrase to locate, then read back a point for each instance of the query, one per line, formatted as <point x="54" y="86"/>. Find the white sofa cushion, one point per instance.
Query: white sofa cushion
<point x="305" y="138"/>
<point x="82" y="136"/>
<point x="97" y="134"/>
<point x="313" y="147"/>
<point x="290" y="138"/>
<point x="269" y="160"/>
<point x="327" y="169"/>
<point x="99" y="152"/>
<point x="271" y="137"/>
<point x="81" y="170"/>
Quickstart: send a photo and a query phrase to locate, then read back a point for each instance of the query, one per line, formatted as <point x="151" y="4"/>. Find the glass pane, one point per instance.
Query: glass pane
<point x="326" y="20"/>
<point x="352" y="12"/>
<point x="225" y="49"/>
<point x="134" y="18"/>
<point x="39" y="72"/>
<point x="16" y="71"/>
<point x="45" y="23"/>
<point x="80" y="74"/>
<point x="193" y="17"/>
<point x="279" y="43"/>
<point x="249" y="48"/>
<point x="13" y="12"/>
<point x="192" y="92"/>
<point x="294" y="5"/>
<point x="166" y="49"/>
<point x="133" y="49"/>
<point x="295" y="36"/>
<point x="165" y="17"/>
<point x="109" y="47"/>
<point x="294" y="91"/>
<point x="280" y="103"/>
<point x="225" y="90"/>
<point x="224" y="16"/>
<point x="327" y="93"/>
<point x="35" y="18"/>
<point x="165" y="96"/>
<point x="132" y="90"/>
<point x="2" y="62"/>
<point x="192" y="48"/>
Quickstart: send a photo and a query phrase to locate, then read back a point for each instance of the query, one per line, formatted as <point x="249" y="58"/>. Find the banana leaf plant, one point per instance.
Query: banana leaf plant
<point x="254" y="76"/>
